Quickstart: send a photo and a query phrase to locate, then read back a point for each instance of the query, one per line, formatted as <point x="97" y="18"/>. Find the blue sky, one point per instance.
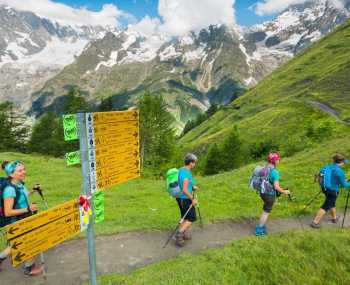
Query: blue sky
<point x="139" y="8"/>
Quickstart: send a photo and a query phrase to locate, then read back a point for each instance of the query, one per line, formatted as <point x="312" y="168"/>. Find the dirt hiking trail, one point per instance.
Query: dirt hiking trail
<point x="67" y="264"/>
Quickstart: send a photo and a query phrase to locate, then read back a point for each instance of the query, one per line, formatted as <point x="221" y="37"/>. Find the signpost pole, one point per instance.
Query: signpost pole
<point x="81" y="121"/>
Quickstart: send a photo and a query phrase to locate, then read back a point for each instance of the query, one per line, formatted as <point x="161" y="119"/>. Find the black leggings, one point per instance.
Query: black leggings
<point x="331" y="198"/>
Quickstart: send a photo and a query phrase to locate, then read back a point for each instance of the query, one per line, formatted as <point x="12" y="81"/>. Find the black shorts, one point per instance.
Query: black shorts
<point x="269" y="200"/>
<point x="331" y="198"/>
<point x="184" y="204"/>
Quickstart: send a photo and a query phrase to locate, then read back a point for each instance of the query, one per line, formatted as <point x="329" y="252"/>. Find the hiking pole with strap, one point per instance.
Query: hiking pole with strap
<point x="38" y="189"/>
<point x="199" y="215"/>
<point x="346" y="208"/>
<point x="177" y="227"/>
<point x="306" y="206"/>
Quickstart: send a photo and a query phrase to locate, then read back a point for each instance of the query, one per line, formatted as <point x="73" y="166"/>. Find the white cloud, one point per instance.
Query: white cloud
<point x="181" y="16"/>
<point x="147" y="26"/>
<point x="109" y="15"/>
<point x="275" y="6"/>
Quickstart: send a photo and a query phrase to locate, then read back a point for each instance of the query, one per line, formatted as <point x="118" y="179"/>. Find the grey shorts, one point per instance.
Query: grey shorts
<point x="269" y="200"/>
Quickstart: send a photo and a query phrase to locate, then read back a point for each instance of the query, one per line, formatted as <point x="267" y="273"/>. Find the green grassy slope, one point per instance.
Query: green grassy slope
<point x="280" y="106"/>
<point x="224" y="196"/>
<point x="290" y="258"/>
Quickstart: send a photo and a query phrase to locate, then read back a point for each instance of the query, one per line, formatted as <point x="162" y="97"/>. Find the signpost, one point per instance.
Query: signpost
<point x="109" y="154"/>
<point x="40" y="232"/>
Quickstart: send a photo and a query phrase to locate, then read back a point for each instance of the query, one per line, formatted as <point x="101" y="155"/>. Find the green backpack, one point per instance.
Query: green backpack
<point x="172" y="183"/>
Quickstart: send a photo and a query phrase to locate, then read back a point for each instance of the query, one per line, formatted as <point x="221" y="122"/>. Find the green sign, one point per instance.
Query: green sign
<point x="73" y="158"/>
<point x="70" y="127"/>
<point x="99" y="206"/>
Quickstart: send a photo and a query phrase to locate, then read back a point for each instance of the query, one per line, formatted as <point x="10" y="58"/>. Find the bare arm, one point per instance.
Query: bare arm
<point x="185" y="189"/>
<point x="9" y="211"/>
<point x="279" y="189"/>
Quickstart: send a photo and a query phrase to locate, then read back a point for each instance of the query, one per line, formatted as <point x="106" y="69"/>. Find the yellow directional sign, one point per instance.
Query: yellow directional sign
<point x="113" y="117"/>
<point x="126" y="137"/>
<point x="115" y="151"/>
<point x="120" y="178"/>
<point x="28" y="245"/>
<point x="114" y="129"/>
<point x="38" y="220"/>
<point x="115" y="140"/>
<point x="117" y="170"/>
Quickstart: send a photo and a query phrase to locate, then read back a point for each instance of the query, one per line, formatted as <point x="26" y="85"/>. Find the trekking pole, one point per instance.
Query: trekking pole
<point x="346" y="208"/>
<point x="200" y="216"/>
<point x="38" y="189"/>
<point x="177" y="227"/>
<point x="306" y="206"/>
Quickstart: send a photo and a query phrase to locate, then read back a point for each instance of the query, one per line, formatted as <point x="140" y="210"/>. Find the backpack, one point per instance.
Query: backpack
<point x="172" y="183"/>
<point x="260" y="180"/>
<point x="4" y="221"/>
<point x="325" y="177"/>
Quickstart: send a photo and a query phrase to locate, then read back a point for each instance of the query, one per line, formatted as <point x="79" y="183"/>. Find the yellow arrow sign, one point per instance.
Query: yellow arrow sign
<point x="40" y="219"/>
<point x="102" y="141"/>
<point x="115" y="171"/>
<point x="120" y="178"/>
<point x="116" y="150"/>
<point x="117" y="159"/>
<point x="114" y="116"/>
<point x="115" y="130"/>
<point x="30" y="244"/>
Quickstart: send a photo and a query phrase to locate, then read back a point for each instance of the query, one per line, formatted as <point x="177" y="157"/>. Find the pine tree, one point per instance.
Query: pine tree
<point x="213" y="162"/>
<point x="157" y="132"/>
<point x="13" y="128"/>
<point x="232" y="151"/>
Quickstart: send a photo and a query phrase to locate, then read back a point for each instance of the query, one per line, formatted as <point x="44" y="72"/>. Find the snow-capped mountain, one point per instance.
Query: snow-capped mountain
<point x="34" y="49"/>
<point x="192" y="72"/>
<point x="295" y="29"/>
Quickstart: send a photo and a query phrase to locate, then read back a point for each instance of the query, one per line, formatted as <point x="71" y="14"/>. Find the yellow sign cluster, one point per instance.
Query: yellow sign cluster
<point x="115" y="142"/>
<point x="43" y="231"/>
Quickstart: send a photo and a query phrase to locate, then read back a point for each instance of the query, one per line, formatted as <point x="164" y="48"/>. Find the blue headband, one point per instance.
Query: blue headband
<point x="11" y="167"/>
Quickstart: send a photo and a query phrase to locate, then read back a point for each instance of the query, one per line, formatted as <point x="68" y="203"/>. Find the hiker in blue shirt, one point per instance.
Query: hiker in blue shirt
<point x="16" y="206"/>
<point x="338" y="181"/>
<point x="186" y="199"/>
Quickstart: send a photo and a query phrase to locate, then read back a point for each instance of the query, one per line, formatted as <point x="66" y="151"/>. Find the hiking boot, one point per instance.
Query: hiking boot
<point x="335" y="220"/>
<point x="187" y="236"/>
<point x="180" y="241"/>
<point x="33" y="270"/>
<point x="260" y="230"/>
<point x="314" y="225"/>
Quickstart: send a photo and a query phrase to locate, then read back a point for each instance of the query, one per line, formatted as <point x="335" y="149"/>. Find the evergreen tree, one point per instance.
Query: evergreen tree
<point x="13" y="129"/>
<point x="157" y="132"/>
<point x="213" y="162"/>
<point x="75" y="102"/>
<point x="42" y="140"/>
<point x="106" y="105"/>
<point x="232" y="151"/>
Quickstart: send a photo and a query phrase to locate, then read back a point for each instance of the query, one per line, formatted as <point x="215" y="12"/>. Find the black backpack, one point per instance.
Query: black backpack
<point x="4" y="221"/>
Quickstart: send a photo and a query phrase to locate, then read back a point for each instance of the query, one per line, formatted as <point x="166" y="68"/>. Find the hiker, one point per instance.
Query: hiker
<point x="186" y="199"/>
<point x="333" y="180"/>
<point x="269" y="196"/>
<point x="16" y="206"/>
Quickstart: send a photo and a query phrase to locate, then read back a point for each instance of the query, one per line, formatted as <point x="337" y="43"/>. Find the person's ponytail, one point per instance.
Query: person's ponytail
<point x="4" y="163"/>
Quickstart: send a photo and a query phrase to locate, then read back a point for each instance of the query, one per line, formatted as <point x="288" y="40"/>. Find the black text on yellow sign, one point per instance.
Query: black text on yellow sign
<point x="117" y="179"/>
<point x="114" y="117"/>
<point x="29" y="245"/>
<point x="40" y="219"/>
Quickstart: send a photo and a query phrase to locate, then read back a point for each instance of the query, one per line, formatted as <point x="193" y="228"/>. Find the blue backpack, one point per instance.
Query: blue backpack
<point x="4" y="221"/>
<point x="325" y="177"/>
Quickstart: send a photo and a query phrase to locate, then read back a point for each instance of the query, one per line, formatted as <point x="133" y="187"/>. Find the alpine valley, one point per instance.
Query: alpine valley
<point x="41" y="59"/>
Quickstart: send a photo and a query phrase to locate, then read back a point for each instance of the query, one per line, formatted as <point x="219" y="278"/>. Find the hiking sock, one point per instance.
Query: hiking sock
<point x="3" y="256"/>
